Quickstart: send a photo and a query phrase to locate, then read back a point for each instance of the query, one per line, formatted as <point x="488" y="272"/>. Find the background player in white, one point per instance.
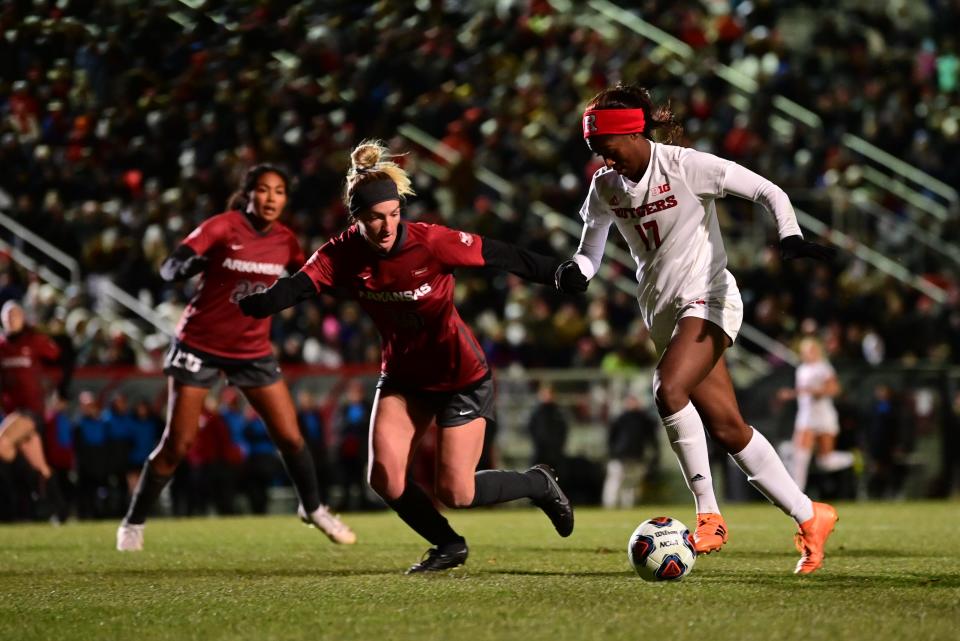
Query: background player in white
<point x="815" y="388"/>
<point x="661" y="198"/>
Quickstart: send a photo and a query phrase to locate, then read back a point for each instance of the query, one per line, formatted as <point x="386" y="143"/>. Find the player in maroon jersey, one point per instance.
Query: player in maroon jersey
<point x="241" y="251"/>
<point x="433" y="369"/>
<point x="23" y="353"/>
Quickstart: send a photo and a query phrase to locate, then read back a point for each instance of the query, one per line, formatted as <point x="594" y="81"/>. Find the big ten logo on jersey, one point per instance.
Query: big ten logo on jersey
<point x="245" y="288"/>
<point x="660" y="189"/>
<point x="179" y="359"/>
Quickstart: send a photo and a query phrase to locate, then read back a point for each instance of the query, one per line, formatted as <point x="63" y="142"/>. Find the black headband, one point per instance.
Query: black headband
<point x="369" y="193"/>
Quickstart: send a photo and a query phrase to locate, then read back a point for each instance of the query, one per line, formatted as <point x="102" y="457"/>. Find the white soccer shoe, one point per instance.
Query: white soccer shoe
<point x="130" y="537"/>
<point x="328" y="523"/>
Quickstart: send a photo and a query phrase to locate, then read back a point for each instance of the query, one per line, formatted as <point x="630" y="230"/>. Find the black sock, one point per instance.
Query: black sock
<point x="417" y="511"/>
<point x="301" y="471"/>
<point x="146" y="494"/>
<point x="500" y="486"/>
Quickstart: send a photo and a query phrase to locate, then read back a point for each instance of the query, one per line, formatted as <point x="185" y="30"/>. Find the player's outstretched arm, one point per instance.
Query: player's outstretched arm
<point x="284" y="293"/>
<point x="537" y="268"/>
<point x="183" y="263"/>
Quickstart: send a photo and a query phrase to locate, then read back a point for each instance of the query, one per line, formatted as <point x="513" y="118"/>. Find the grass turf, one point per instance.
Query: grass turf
<point x="892" y="572"/>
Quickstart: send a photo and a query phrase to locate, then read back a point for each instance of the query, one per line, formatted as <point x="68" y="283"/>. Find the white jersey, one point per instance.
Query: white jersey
<point x="818" y="414"/>
<point x="669" y="221"/>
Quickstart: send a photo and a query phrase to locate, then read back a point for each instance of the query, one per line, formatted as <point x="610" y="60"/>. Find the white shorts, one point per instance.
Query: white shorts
<point x="819" y="421"/>
<point x="723" y="308"/>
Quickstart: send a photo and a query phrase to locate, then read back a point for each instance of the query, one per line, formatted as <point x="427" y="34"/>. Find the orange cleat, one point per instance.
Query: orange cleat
<point x="812" y="537"/>
<point x="711" y="533"/>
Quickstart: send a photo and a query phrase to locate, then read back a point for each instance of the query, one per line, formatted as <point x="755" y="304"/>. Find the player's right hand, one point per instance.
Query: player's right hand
<point x="256" y="305"/>
<point x="569" y="279"/>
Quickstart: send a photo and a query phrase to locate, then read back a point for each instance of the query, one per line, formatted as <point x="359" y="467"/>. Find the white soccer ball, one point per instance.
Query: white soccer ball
<point x="661" y="549"/>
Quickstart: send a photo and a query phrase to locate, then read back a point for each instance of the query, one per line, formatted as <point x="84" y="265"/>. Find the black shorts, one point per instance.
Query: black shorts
<point x="453" y="408"/>
<point x="190" y="366"/>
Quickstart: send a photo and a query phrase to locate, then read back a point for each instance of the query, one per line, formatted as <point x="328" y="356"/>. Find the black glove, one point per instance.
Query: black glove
<point x="256" y="305"/>
<point x="569" y="279"/>
<point x="796" y="247"/>
<point x="193" y="266"/>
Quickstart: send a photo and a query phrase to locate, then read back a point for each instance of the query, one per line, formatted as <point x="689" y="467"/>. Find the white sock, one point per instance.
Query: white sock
<point x="766" y="472"/>
<point x="835" y="461"/>
<point x="689" y="443"/>
<point x="799" y="465"/>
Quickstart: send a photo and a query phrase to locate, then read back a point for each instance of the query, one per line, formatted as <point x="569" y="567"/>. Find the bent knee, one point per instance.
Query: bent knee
<point x="389" y="487"/>
<point x="456" y="497"/>
<point x="289" y="444"/>
<point x="733" y="435"/>
<point x="670" y="396"/>
<point x="172" y="451"/>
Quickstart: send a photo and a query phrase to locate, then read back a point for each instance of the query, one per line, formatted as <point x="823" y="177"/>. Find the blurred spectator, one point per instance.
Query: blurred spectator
<point x="314" y="431"/>
<point x="887" y="444"/>
<point x="634" y="454"/>
<point x="145" y="426"/>
<point x="59" y="448"/>
<point x="949" y="479"/>
<point x="93" y="469"/>
<point x="211" y="468"/>
<point x="352" y="426"/>
<point x="119" y="425"/>
<point x="262" y="465"/>
<point x="548" y="429"/>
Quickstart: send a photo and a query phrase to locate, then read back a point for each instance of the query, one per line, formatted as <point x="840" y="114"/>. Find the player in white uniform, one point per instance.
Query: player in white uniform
<point x="816" y="424"/>
<point x="661" y="198"/>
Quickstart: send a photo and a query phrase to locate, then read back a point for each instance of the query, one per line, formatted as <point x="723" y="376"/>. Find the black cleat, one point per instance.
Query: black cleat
<point x="555" y="503"/>
<point x="438" y="559"/>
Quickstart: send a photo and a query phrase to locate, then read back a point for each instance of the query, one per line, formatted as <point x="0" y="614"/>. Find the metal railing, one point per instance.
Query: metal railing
<point x="26" y="237"/>
<point x="107" y="288"/>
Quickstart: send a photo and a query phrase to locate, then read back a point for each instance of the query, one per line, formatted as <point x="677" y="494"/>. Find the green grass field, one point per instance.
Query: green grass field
<point x="892" y="572"/>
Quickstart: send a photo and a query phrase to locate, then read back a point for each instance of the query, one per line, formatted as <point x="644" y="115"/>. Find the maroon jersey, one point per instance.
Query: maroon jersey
<point x="241" y="261"/>
<point x="22" y="357"/>
<point x="409" y="295"/>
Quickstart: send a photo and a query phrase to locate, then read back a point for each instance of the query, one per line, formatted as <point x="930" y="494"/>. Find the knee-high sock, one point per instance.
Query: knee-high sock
<point x="800" y="465"/>
<point x="689" y="443"/>
<point x="766" y="472"/>
<point x="146" y="494"/>
<point x="303" y="474"/>
<point x="417" y="511"/>
<point x="500" y="486"/>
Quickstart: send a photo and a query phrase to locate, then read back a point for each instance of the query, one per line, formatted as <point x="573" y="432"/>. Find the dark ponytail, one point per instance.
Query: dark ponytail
<point x="240" y="199"/>
<point x="659" y="119"/>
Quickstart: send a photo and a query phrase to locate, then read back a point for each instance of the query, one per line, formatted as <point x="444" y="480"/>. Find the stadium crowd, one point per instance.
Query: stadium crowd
<point x="122" y="125"/>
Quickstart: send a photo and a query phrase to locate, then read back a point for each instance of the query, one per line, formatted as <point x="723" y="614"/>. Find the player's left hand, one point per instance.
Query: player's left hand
<point x="796" y="247"/>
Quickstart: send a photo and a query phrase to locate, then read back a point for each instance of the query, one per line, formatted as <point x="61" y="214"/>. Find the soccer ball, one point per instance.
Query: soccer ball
<point x="661" y="549"/>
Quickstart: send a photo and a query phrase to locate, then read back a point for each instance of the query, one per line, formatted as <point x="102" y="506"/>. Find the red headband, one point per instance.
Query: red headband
<point x="600" y="122"/>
